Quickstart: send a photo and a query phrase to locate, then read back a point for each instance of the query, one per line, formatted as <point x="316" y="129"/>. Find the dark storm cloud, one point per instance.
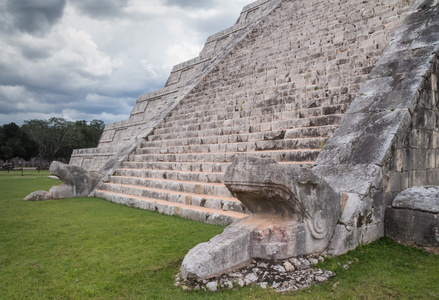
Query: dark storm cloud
<point x="191" y="3"/>
<point x="35" y="16"/>
<point x="100" y="8"/>
<point x="35" y="53"/>
<point x="57" y="60"/>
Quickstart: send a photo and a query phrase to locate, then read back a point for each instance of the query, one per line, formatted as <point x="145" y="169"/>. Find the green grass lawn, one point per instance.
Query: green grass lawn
<point x="88" y="248"/>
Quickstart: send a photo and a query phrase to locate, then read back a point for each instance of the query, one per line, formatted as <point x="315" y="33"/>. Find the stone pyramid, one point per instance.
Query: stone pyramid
<point x="347" y="88"/>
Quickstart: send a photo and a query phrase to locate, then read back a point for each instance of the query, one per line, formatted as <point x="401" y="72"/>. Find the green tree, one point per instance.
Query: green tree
<point x="14" y="142"/>
<point x="89" y="133"/>
<point x="51" y="136"/>
<point x="56" y="137"/>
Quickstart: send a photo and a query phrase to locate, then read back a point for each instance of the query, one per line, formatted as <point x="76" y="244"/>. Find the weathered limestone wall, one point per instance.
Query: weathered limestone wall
<point x="306" y="60"/>
<point x="386" y="140"/>
<point x="309" y="56"/>
<point x="415" y="158"/>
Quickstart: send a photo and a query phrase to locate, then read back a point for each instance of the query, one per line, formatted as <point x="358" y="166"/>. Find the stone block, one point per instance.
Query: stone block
<point x="419" y="157"/>
<point x="345" y="238"/>
<point x="432" y="177"/>
<point x="225" y="252"/>
<point x="398" y="161"/>
<point x="352" y="204"/>
<point x="417" y="177"/>
<point x="374" y="86"/>
<point x="38" y="196"/>
<point x="412" y="226"/>
<point x="379" y="135"/>
<point x="431" y="158"/>
<point x="395" y="182"/>
<point x="373" y="232"/>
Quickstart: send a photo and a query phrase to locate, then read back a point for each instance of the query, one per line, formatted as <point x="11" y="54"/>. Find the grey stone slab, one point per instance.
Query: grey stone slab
<point x="358" y="179"/>
<point x="225" y="252"/>
<point x="412" y="226"/>
<point x="38" y="196"/>
<point x="422" y="198"/>
<point x="378" y="137"/>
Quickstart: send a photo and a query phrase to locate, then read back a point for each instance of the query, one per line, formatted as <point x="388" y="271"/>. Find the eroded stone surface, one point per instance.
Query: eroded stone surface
<point x="422" y="198"/>
<point x="414" y="217"/>
<point x="38" y="196"/>
<point x="283" y="275"/>
<point x="386" y="141"/>
<point x="296" y="210"/>
<point x="77" y="182"/>
<point x="225" y="252"/>
<point x="294" y="213"/>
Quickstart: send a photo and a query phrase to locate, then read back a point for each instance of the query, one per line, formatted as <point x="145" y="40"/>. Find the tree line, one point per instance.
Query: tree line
<point x="48" y="139"/>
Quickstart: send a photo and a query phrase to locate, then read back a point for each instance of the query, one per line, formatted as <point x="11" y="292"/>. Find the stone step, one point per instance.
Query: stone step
<point x="194" y="166"/>
<point x="201" y="123"/>
<point x="200" y="214"/>
<point x="206" y="120"/>
<point x="187" y="115"/>
<point x="187" y="198"/>
<point x="178" y="166"/>
<point x="301" y="155"/>
<point x="273" y="126"/>
<point x="248" y="104"/>
<point x="215" y="177"/>
<point x="195" y="187"/>
<point x="296" y="133"/>
<point x="309" y="132"/>
<point x="318" y="97"/>
<point x="281" y="144"/>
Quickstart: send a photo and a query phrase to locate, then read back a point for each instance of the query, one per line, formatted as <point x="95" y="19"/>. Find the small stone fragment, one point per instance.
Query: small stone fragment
<point x="241" y="282"/>
<point x="212" y="286"/>
<point x="186" y="288"/>
<point x="262" y="265"/>
<point x="305" y="263"/>
<point x="320" y="279"/>
<point x="250" y="278"/>
<point x="287" y="286"/>
<point x="277" y="274"/>
<point x="279" y="268"/>
<point x="289" y="267"/>
<point x="38" y="196"/>
<point x="297" y="264"/>
<point x="228" y="284"/>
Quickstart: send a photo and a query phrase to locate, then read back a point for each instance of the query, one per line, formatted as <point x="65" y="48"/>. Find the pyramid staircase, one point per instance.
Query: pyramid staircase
<point x="285" y="91"/>
<point x="179" y="169"/>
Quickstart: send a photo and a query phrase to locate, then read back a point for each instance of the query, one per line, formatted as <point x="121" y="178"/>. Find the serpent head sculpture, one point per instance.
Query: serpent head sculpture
<point x="294" y="213"/>
<point x="296" y="210"/>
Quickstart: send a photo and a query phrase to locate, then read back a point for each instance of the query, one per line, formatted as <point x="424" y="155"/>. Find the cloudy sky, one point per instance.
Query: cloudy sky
<point x="91" y="59"/>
